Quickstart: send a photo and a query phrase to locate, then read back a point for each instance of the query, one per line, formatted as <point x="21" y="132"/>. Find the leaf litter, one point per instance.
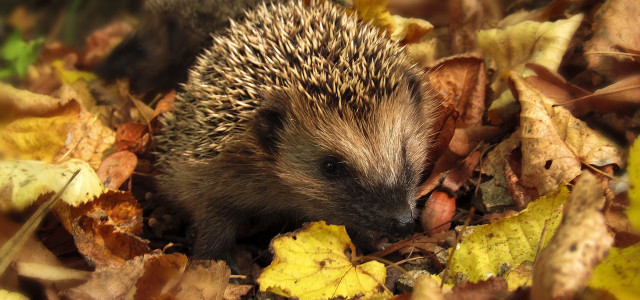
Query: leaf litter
<point x="532" y="96"/>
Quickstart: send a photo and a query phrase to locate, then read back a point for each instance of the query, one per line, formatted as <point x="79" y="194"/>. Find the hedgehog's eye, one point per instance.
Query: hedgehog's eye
<point x="332" y="167"/>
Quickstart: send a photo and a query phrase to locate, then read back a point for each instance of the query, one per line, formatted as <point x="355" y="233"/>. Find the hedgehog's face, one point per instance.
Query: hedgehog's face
<point x="354" y="167"/>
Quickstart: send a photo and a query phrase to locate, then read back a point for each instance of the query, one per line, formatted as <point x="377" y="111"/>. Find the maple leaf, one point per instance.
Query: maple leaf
<point x="316" y="262"/>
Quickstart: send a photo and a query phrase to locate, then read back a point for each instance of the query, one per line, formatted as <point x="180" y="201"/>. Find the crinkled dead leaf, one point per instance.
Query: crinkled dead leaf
<point x="618" y="273"/>
<point x="200" y="280"/>
<point x="23" y="181"/>
<point x="553" y="143"/>
<point x="133" y="137"/>
<point x="513" y="47"/>
<point x="317" y="262"/>
<point x="615" y="27"/>
<point x="634" y="190"/>
<point x="509" y="241"/>
<point x="45" y="128"/>
<point x="460" y="80"/>
<point x="102" y="41"/>
<point x="157" y="276"/>
<point x="116" y="168"/>
<point x="579" y="244"/>
<point x="406" y="30"/>
<point x="105" y="230"/>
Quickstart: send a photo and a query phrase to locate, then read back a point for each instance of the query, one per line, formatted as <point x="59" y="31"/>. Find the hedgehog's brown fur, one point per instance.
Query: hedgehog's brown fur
<point x="277" y="97"/>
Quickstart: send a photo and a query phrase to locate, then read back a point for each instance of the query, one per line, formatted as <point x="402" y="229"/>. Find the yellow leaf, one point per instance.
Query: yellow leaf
<point x="71" y="76"/>
<point x="634" y="191"/>
<point x="406" y="30"/>
<point x="39" y="138"/>
<point x="317" y="262"/>
<point x="22" y="182"/>
<point x="6" y="295"/>
<point x="514" y="46"/>
<point x="618" y="273"/>
<point x="509" y="241"/>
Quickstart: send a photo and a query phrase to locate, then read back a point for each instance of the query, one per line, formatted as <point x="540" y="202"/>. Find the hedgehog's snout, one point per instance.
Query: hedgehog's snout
<point x="403" y="224"/>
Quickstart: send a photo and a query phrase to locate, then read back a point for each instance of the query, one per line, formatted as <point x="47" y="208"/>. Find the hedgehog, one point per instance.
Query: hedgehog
<point x="299" y="110"/>
<point x="157" y="55"/>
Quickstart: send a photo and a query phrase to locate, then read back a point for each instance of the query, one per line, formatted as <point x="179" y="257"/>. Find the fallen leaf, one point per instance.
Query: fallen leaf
<point x="7" y="295"/>
<point x="614" y="26"/>
<point x="618" y="273"/>
<point x="45" y="128"/>
<point x="509" y="241"/>
<point x="466" y="18"/>
<point x="553" y="143"/>
<point x="71" y="76"/>
<point x="460" y="80"/>
<point x="100" y="43"/>
<point x="105" y="230"/>
<point x="405" y="30"/>
<point x="133" y="137"/>
<point x="316" y="262"/>
<point x="22" y="182"/>
<point x="202" y="280"/>
<point x="116" y="168"/>
<point x="580" y="243"/>
<point x="634" y="190"/>
<point x="513" y="47"/>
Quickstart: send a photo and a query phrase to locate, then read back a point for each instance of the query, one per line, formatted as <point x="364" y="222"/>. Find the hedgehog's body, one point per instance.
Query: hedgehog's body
<point x="300" y="110"/>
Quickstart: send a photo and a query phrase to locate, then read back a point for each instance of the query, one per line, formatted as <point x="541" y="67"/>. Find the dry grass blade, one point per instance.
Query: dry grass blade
<point x="8" y="250"/>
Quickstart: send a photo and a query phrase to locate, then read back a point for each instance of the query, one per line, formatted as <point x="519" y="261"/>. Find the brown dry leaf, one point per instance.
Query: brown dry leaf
<point x="203" y="280"/>
<point x="615" y="26"/>
<point x="33" y="251"/>
<point x="105" y="230"/>
<point x="581" y="241"/>
<point x="158" y="272"/>
<point x="133" y="137"/>
<point x="554" y="86"/>
<point x="103" y="245"/>
<point x="492" y="288"/>
<point x="460" y="79"/>
<point x="513" y="47"/>
<point x="553" y="143"/>
<point x="463" y="142"/>
<point x="100" y="43"/>
<point x="466" y="18"/>
<point x="116" y="168"/>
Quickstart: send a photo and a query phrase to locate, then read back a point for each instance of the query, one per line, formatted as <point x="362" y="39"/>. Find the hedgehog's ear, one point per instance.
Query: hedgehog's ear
<point x="268" y="122"/>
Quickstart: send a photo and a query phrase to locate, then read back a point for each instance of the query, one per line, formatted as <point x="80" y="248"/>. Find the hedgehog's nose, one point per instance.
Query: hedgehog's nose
<point x="403" y="224"/>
